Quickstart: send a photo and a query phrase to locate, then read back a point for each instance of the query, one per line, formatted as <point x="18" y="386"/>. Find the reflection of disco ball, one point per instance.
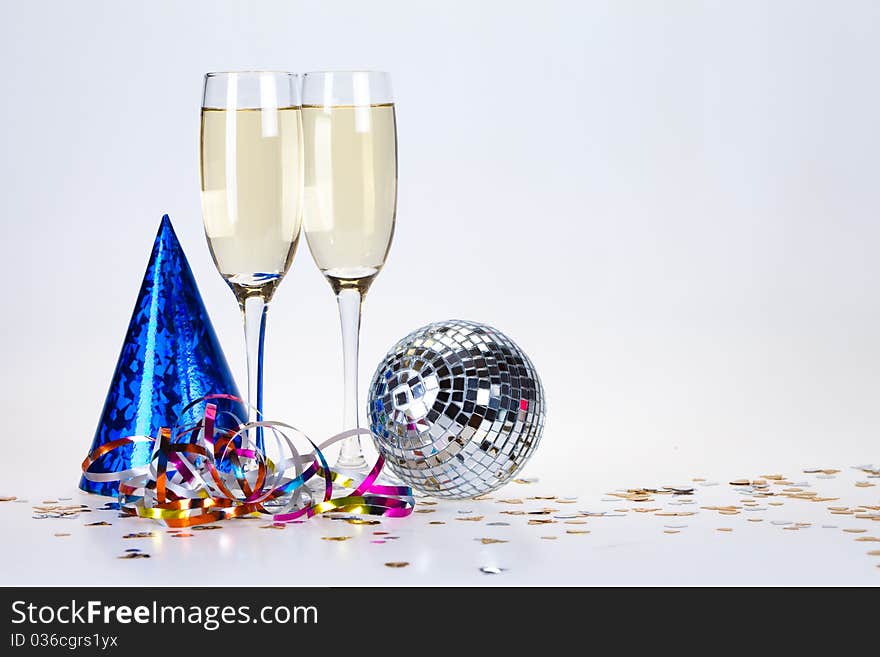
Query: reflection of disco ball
<point x="456" y="409"/>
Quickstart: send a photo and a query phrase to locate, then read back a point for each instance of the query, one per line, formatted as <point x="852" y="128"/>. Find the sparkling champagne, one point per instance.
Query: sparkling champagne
<point x="251" y="198"/>
<point x="350" y="198"/>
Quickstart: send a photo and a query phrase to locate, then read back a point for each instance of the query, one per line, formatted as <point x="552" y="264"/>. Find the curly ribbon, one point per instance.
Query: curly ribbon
<point x="200" y="473"/>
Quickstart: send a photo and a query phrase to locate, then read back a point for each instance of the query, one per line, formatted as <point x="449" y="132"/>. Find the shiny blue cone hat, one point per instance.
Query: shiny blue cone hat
<point x="169" y="359"/>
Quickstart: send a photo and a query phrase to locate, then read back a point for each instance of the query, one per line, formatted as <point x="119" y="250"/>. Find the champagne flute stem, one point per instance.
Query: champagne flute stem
<point x="350" y="301"/>
<point x="254" y="310"/>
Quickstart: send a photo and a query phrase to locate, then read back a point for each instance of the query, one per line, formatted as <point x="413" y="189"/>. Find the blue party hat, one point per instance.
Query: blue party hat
<point x="169" y="359"/>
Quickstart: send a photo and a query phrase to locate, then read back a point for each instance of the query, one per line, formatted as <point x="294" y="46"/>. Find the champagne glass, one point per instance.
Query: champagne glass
<point x="350" y="203"/>
<point x="251" y="168"/>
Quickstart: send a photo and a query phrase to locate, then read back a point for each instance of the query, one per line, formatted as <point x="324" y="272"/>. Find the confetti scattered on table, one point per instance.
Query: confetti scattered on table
<point x="397" y="564"/>
<point x="753" y="500"/>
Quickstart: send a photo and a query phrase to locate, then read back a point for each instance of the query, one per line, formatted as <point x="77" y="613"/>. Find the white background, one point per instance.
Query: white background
<point x="672" y="207"/>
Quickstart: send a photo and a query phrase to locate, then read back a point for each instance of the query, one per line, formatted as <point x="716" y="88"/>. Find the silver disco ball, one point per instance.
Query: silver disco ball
<point x="456" y="409"/>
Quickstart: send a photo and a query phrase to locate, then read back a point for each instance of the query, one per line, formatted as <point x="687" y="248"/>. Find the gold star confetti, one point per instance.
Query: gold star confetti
<point x="513" y="500"/>
<point x="425" y="510"/>
<point x="100" y="523"/>
<point x="60" y="534"/>
<point x="397" y="564"/>
<point x="134" y="555"/>
<point x="577" y="531"/>
<point x="8" y="498"/>
<point x="671" y="531"/>
<point x="874" y="553"/>
<point x="739" y="482"/>
<point x="864" y="484"/>
<point x="549" y="538"/>
<point x="490" y="541"/>
<point x="436" y="522"/>
<point x="274" y="525"/>
<point x="471" y="518"/>
<point x="725" y="529"/>
<point x="206" y="528"/>
<point x="868" y="539"/>
<point x="182" y="535"/>
<point x="541" y="521"/>
<point x="364" y="521"/>
<point x="852" y="530"/>
<point x="575" y="522"/>
<point x="335" y="538"/>
<point x="428" y="502"/>
<point x="140" y="535"/>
